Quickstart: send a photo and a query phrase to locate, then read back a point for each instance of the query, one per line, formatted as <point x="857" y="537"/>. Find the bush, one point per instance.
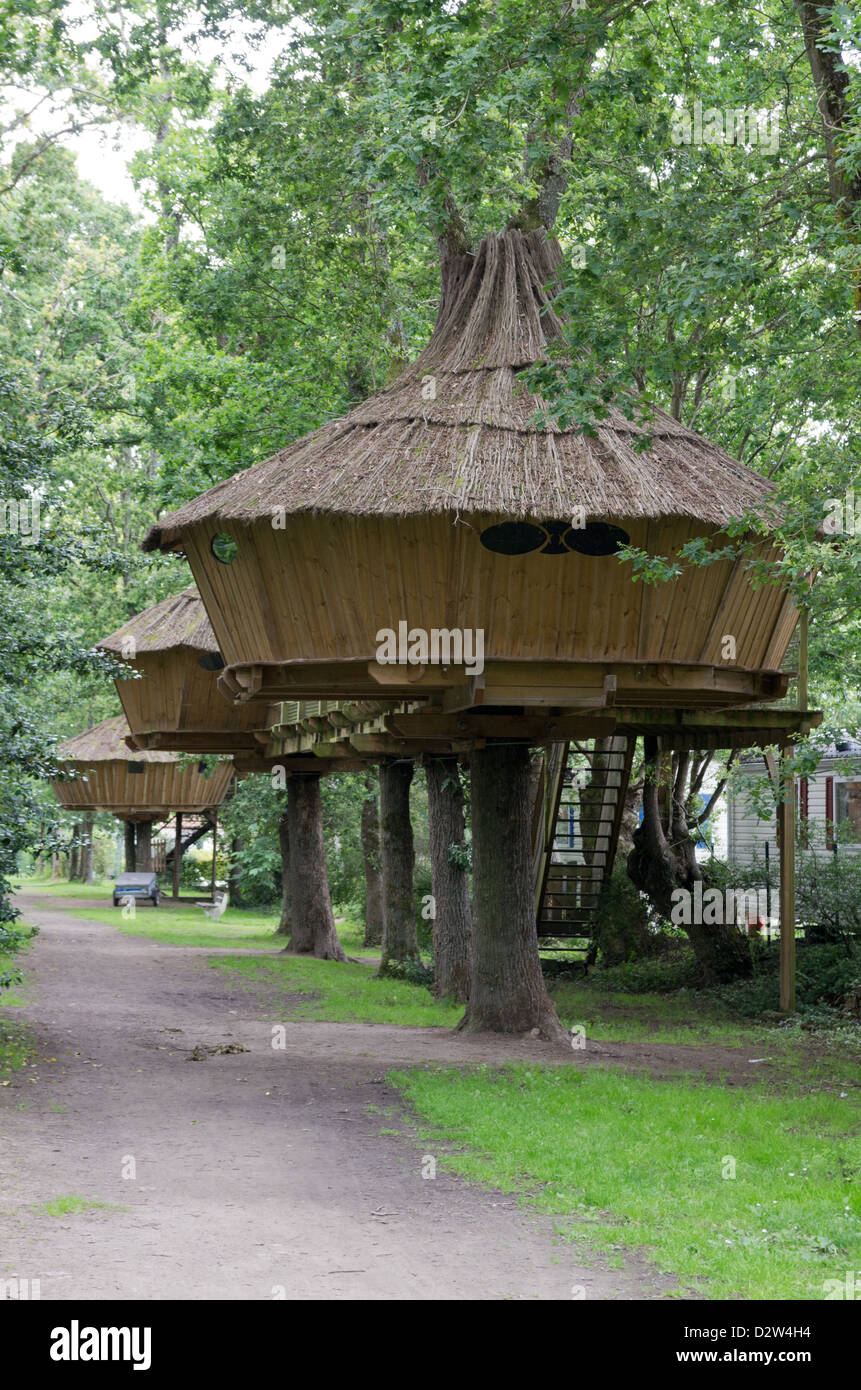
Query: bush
<point x="825" y="976"/>
<point x="626" y="927"/>
<point x="658" y="975"/>
<point x="416" y="971"/>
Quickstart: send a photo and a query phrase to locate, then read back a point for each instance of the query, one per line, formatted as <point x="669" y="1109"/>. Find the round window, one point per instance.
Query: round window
<point x="596" y="538"/>
<point x="224" y="548"/>
<point x="513" y="538"/>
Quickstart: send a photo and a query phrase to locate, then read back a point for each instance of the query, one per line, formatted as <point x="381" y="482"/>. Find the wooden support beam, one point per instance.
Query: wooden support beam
<point x="786" y="821"/>
<point x="803" y="644"/>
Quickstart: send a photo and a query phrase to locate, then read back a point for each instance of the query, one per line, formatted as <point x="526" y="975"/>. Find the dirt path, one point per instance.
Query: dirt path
<point x="255" y="1172"/>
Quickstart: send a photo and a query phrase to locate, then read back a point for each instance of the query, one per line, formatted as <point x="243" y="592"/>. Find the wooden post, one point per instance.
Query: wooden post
<point x="803" y="636"/>
<point x="786" y="818"/>
<point x="177" y="853"/>
<point x="214" y="848"/>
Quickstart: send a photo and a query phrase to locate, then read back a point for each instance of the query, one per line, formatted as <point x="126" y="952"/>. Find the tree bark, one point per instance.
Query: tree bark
<point x="234" y="878"/>
<point x="88" y="867"/>
<point x="663" y="859"/>
<point x="285" y="924"/>
<point x="508" y="993"/>
<point x="373" y="868"/>
<point x="143" y="846"/>
<point x="400" y="941"/>
<point x="834" y="98"/>
<point x="452" y="922"/>
<point x="313" y="932"/>
<point x="130" y="846"/>
<point x="75" y="853"/>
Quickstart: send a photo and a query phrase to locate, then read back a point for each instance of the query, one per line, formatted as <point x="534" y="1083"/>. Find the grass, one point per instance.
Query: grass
<point x="184" y="925"/>
<point x="16" y="1051"/>
<point x="610" y="1016"/>
<point x="69" y="1206"/>
<point x="627" y="1162"/>
<point x="340" y="993"/>
<point x="58" y="888"/>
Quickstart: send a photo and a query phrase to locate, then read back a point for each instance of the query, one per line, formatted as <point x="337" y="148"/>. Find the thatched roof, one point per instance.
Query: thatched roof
<point x="107" y="743"/>
<point x="453" y="432"/>
<point x="178" y="621"/>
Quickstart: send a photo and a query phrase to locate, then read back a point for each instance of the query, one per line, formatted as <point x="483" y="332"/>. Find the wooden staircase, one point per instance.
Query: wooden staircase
<point x="578" y="806"/>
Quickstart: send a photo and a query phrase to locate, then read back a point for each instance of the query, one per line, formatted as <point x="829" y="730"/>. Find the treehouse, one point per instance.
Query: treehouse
<point x="444" y="562"/>
<point x="173" y="703"/>
<point x="444" y="542"/>
<point x="137" y="787"/>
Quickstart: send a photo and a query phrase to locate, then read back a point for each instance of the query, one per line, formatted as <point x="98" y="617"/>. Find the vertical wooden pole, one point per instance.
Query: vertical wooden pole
<point x="214" y="848"/>
<point x="803" y="638"/>
<point x="786" y="817"/>
<point x="177" y="853"/>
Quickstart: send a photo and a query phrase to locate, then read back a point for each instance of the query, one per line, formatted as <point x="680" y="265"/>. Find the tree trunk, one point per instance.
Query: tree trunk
<point x="285" y="925"/>
<point x="452" y="922"/>
<point x="373" y="869"/>
<point x="176" y="865"/>
<point x="664" y="860"/>
<point x="313" y="931"/>
<point x="143" y="846"/>
<point x="400" y="941"/>
<point x="508" y="993"/>
<point x="130" y="846"/>
<point x="75" y="854"/>
<point x="234" y="881"/>
<point x="834" y="97"/>
<point x="88" y="867"/>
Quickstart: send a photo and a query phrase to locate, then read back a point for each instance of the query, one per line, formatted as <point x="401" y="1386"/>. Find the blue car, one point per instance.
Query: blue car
<point x="143" y="886"/>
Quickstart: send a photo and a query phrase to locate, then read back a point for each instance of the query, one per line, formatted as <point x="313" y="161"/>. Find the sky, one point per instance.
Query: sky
<point x="103" y="153"/>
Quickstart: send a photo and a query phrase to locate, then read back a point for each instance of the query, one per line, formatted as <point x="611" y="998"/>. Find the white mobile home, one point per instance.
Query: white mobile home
<point x="828" y="802"/>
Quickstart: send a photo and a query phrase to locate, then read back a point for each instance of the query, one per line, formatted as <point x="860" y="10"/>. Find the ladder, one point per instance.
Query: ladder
<point x="579" y="799"/>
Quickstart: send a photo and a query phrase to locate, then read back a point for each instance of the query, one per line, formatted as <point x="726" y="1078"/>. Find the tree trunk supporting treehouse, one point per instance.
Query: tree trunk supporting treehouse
<point x="400" y="941"/>
<point x="143" y="846"/>
<point x="313" y="931"/>
<point x="214" y="853"/>
<point x="285" y="924"/>
<point x="129" y="846"/>
<point x="664" y="860"/>
<point x="177" y="854"/>
<point x="452" y="922"/>
<point x="373" y="867"/>
<point x="508" y="993"/>
<point x="88" y="864"/>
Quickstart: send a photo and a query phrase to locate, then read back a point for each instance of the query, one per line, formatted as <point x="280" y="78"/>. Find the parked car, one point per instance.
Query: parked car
<point x="144" y="885"/>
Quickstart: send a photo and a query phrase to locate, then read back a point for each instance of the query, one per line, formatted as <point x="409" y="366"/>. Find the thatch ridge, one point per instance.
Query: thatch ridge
<point x="456" y="431"/>
<point x="178" y="621"/>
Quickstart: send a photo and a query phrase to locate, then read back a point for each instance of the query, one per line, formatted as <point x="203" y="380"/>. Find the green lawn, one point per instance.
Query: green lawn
<point x="59" y="888"/>
<point x="628" y="1162"/>
<point x="341" y="993"/>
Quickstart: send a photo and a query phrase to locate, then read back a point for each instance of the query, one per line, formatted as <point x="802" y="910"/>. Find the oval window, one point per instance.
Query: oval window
<point x="596" y="538"/>
<point x="136" y="767"/>
<point x="212" y="661"/>
<point x="224" y="548"/>
<point x="513" y="538"/>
